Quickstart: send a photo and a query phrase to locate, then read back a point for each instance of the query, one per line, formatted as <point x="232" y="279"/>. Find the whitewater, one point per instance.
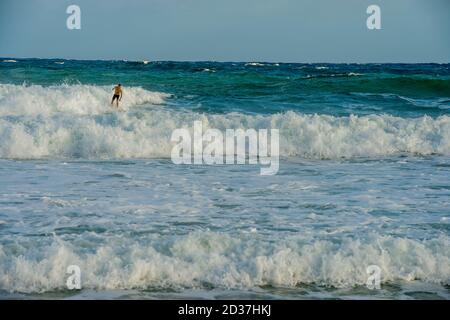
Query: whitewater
<point x="363" y="181"/>
<point x="76" y="122"/>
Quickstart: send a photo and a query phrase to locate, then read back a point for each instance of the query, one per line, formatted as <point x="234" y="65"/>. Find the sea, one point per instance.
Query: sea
<point x="359" y="209"/>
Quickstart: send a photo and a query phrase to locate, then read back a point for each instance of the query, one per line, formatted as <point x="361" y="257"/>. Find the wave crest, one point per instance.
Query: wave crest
<point x="203" y="258"/>
<point x="147" y="135"/>
<point x="76" y="99"/>
<point x="84" y="128"/>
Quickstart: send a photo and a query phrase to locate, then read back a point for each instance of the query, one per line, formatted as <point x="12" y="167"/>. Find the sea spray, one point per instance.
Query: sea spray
<point x="76" y="122"/>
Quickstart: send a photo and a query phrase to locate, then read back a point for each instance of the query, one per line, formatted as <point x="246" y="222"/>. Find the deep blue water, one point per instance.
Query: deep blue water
<point x="406" y="90"/>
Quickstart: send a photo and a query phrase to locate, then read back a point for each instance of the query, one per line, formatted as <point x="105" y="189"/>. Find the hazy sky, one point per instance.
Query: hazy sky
<point x="228" y="30"/>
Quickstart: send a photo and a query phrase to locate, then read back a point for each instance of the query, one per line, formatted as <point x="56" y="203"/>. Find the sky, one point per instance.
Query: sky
<point x="228" y="30"/>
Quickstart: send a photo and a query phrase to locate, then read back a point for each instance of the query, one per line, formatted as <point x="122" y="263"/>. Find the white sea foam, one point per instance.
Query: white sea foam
<point x="355" y="74"/>
<point x="225" y="262"/>
<point x="255" y="64"/>
<point x="77" y="122"/>
<point x="76" y="99"/>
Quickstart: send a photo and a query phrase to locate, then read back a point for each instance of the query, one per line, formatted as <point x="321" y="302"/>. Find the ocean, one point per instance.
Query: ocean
<point x="364" y="180"/>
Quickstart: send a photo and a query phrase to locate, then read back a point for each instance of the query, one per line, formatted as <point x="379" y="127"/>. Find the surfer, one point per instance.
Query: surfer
<point x="117" y="95"/>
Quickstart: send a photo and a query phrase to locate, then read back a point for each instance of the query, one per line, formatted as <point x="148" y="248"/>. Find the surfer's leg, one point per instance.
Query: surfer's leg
<point x="115" y="98"/>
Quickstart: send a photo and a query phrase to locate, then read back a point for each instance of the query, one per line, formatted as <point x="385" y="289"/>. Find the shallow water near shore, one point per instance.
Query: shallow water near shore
<point x="146" y="224"/>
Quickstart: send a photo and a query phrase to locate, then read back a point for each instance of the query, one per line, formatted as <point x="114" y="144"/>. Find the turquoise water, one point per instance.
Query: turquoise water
<point x="406" y="90"/>
<point x="363" y="180"/>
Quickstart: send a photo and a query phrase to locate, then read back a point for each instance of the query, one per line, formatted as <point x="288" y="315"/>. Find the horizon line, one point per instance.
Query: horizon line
<point x="216" y="61"/>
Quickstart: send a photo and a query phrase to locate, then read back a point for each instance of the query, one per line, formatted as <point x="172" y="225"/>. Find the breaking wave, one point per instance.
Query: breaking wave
<point x="80" y="99"/>
<point x="201" y="259"/>
<point x="77" y="122"/>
